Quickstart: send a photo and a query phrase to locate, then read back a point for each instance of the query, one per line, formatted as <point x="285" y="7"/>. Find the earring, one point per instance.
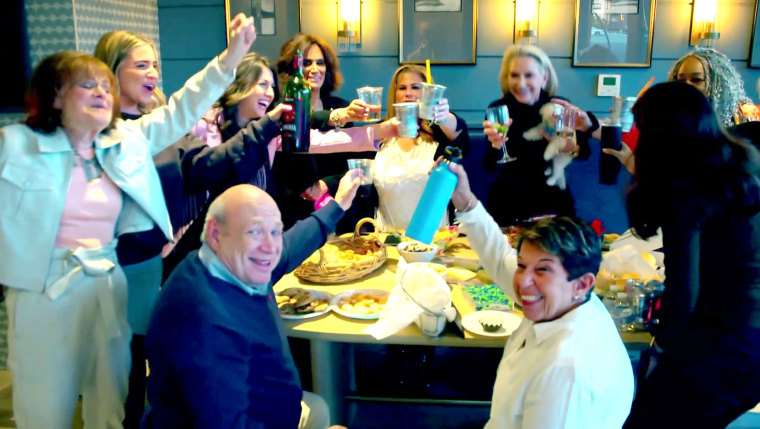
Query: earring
<point x="576" y="297"/>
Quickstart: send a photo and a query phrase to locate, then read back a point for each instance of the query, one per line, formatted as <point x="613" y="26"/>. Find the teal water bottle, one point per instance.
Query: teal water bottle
<point x="436" y="196"/>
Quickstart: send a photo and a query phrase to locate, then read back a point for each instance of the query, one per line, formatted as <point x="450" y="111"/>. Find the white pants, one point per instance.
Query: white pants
<point x="74" y="343"/>
<point x="314" y="412"/>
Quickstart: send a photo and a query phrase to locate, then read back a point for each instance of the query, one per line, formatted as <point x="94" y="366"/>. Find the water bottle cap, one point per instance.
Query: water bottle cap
<point x="615" y="288"/>
<point x="622" y="295"/>
<point x="452" y="154"/>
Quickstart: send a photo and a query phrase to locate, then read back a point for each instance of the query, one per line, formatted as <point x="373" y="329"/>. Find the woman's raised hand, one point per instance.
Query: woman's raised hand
<point x="582" y="120"/>
<point x="357" y="111"/>
<point x="493" y="135"/>
<point x="463" y="198"/>
<point x="278" y="110"/>
<point x="441" y="113"/>
<point x="624" y="155"/>
<point x="242" y="36"/>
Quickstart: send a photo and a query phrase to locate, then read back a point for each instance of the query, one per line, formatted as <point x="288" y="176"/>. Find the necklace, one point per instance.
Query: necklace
<point x="91" y="167"/>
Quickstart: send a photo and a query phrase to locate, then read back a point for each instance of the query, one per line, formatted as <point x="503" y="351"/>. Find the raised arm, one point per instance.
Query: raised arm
<point x="309" y="234"/>
<point x="169" y="123"/>
<point x="485" y="237"/>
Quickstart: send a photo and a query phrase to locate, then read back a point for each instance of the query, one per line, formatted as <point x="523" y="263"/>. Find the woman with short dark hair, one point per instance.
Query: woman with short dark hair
<point x="565" y="366"/>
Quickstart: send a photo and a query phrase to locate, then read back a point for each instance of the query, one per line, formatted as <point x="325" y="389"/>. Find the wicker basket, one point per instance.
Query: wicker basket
<point x="343" y="271"/>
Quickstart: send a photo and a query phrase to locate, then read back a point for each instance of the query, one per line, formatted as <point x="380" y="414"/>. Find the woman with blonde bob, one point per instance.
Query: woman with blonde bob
<point x="76" y="178"/>
<point x="528" y="81"/>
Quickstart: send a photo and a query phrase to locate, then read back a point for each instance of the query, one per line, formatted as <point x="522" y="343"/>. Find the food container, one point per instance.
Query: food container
<point x="414" y="251"/>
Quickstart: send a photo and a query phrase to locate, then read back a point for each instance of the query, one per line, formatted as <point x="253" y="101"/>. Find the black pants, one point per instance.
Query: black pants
<point x="705" y="389"/>
<point x="134" y="407"/>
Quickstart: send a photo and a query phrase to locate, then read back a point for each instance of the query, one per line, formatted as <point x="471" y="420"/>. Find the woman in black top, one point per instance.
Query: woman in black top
<point x="528" y="81"/>
<point x="702" y="188"/>
<point x="320" y="173"/>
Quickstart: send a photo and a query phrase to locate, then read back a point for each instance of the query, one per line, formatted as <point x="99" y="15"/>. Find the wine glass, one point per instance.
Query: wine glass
<point x="498" y="116"/>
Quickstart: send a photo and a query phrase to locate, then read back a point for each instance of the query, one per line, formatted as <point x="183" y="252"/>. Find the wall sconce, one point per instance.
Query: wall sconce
<point x="704" y="23"/>
<point x="526" y="21"/>
<point x="349" y="24"/>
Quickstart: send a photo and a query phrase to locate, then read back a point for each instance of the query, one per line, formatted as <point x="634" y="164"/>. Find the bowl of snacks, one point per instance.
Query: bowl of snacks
<point x="414" y="251"/>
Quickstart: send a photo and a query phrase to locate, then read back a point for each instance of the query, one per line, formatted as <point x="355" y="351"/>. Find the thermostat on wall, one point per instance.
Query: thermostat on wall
<point x="609" y="85"/>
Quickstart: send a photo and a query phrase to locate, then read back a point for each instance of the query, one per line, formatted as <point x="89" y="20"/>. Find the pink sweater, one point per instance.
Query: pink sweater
<point x="89" y="213"/>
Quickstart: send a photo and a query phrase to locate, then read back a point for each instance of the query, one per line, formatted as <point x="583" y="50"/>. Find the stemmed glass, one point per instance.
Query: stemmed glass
<point x="498" y="116"/>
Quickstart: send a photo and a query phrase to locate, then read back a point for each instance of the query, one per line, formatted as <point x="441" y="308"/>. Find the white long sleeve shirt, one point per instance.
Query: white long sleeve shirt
<point x="572" y="372"/>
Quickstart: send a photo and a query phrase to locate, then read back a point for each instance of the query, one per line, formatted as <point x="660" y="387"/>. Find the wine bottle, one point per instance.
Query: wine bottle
<point x="295" y="124"/>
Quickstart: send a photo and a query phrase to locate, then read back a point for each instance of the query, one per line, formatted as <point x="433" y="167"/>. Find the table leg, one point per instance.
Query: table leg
<point x="331" y="372"/>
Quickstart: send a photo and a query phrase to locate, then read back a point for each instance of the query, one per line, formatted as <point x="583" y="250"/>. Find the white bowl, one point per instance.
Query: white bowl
<point x="417" y="256"/>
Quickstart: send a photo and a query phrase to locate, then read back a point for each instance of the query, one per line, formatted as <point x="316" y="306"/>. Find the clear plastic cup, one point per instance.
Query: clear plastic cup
<point x="407" y="116"/>
<point x="367" y="166"/>
<point x="429" y="97"/>
<point x="372" y="95"/>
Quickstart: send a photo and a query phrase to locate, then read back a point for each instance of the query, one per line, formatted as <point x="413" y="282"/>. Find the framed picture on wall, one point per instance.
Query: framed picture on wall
<point x="754" y="46"/>
<point x="613" y="33"/>
<point x="443" y="31"/>
<point x="262" y="11"/>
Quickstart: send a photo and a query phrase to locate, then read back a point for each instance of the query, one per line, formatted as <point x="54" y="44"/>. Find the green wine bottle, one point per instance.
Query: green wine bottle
<point x="295" y="124"/>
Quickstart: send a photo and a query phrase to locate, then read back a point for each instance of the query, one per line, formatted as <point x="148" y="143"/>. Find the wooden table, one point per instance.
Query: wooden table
<point x="332" y="366"/>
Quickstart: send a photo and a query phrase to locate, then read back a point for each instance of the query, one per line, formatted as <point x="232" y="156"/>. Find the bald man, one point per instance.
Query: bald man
<point x="216" y="346"/>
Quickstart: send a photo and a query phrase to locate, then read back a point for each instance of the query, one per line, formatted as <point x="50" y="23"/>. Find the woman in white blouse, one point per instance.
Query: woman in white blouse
<point x="402" y="164"/>
<point x="565" y="366"/>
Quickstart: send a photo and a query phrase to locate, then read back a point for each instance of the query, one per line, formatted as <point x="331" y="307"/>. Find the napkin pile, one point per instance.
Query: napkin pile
<point x="421" y="297"/>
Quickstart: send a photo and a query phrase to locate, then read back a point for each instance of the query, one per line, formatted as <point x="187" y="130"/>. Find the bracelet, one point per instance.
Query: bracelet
<point x="335" y="120"/>
<point x="323" y="200"/>
<point x="470" y="205"/>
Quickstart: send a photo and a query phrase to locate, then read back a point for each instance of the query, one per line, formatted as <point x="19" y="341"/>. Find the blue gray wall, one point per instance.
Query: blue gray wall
<point x="194" y="30"/>
<point x="61" y="25"/>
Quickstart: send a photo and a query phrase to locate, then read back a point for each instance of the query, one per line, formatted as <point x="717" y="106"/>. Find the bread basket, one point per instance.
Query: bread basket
<point x="344" y="259"/>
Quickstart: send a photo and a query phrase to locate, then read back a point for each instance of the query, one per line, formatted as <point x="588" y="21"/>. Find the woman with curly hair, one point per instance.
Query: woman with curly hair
<point x="712" y="73"/>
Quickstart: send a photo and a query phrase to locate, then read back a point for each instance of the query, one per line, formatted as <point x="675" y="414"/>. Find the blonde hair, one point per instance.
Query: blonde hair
<point x="426" y="134"/>
<point x="544" y="64"/>
<point x="114" y="47"/>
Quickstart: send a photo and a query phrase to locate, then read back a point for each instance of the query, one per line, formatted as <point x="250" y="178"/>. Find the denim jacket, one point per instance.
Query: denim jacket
<point x="35" y="174"/>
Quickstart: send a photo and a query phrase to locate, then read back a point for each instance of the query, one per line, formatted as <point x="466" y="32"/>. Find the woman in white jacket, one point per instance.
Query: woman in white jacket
<point x="73" y="178"/>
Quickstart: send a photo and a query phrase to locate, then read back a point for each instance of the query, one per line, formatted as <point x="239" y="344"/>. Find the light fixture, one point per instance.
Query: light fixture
<point x="349" y="24"/>
<point x="704" y="23"/>
<point x="526" y="21"/>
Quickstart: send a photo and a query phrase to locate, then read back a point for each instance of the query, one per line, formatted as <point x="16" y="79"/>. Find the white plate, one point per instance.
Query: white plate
<point x="348" y="293"/>
<point x="317" y="294"/>
<point x="509" y="322"/>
